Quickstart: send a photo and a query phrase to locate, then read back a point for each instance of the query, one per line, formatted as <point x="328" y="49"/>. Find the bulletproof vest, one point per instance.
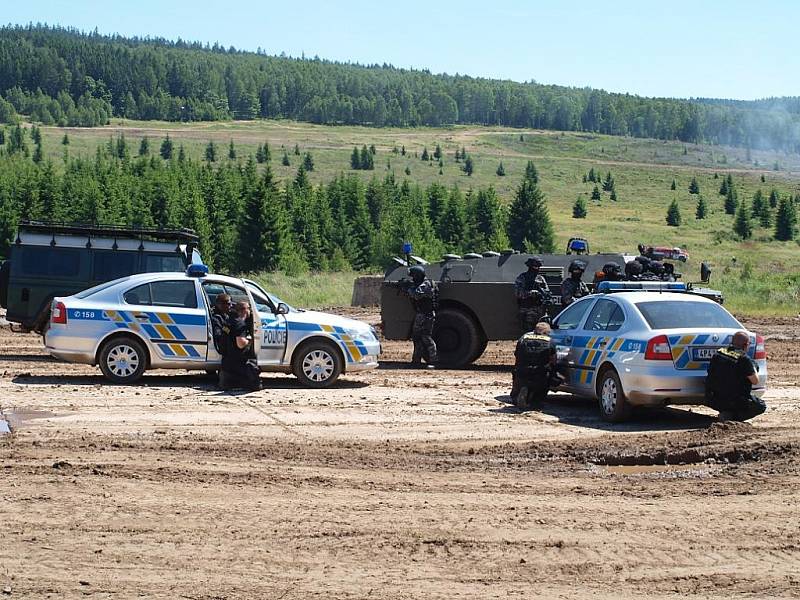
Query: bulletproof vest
<point x="534" y="350"/>
<point x="530" y="284"/>
<point x="724" y="380"/>
<point x="428" y="304"/>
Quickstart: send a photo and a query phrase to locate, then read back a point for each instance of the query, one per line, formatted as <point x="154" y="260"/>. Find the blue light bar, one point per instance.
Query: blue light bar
<point x="656" y="286"/>
<point x="577" y="245"/>
<point x="197" y="270"/>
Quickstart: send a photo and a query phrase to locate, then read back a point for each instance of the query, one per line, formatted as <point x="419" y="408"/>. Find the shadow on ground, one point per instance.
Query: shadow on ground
<point x="582" y="412"/>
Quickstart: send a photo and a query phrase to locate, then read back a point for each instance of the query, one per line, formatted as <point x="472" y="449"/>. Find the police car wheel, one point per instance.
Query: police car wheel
<point x="123" y="360"/>
<point x="613" y="405"/>
<point x="317" y="364"/>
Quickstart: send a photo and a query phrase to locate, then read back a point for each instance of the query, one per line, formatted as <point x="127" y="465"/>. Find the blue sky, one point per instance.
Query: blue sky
<point x="676" y="48"/>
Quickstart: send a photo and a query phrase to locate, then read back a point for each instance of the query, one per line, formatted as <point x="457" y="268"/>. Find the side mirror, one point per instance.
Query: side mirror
<point x="705" y="272"/>
<point x="282" y="309"/>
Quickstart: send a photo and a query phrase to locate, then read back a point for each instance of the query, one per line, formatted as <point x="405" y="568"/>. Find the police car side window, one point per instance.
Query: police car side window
<point x="237" y="294"/>
<point x="616" y="320"/>
<point x="174" y="293"/>
<point x="571" y="317"/>
<point x="600" y="318"/>
<point x="138" y="295"/>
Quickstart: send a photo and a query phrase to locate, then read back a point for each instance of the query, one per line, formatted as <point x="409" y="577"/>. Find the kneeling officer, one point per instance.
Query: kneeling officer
<point x="731" y="375"/>
<point x="534" y="368"/>
<point x="239" y="364"/>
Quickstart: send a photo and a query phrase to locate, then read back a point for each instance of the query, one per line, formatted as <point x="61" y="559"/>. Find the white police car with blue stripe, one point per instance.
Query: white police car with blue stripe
<point x="644" y="344"/>
<point x="162" y="321"/>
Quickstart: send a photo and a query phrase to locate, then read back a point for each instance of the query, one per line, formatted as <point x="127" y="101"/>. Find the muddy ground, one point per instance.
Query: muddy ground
<point x="395" y="484"/>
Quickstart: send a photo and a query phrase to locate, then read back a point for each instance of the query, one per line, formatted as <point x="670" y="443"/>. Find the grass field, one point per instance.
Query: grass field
<point x="759" y="276"/>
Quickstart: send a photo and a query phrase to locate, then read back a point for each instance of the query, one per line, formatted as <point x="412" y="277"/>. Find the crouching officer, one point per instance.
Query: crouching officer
<point x="239" y="364"/>
<point x="424" y="296"/>
<point x="731" y="375"/>
<point x="573" y="287"/>
<point x="532" y="292"/>
<point x="534" y="367"/>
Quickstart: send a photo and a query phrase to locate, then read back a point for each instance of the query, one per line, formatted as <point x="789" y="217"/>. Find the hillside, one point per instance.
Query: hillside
<point x="758" y="275"/>
<point x="62" y="76"/>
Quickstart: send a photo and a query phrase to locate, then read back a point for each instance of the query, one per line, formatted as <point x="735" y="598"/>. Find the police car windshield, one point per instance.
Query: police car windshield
<point x="98" y="288"/>
<point x="674" y="314"/>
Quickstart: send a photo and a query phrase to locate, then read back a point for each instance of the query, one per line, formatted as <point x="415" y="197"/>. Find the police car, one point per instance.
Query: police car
<point x="162" y="321"/>
<point x="644" y="344"/>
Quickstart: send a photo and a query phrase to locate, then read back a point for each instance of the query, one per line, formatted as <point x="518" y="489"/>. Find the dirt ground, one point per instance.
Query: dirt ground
<point x="394" y="484"/>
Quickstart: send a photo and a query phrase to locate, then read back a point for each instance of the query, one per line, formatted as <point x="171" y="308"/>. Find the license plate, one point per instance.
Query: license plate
<point x="703" y="353"/>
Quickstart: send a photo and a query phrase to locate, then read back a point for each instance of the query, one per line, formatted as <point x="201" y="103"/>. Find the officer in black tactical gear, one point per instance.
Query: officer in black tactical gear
<point x="239" y="365"/>
<point x="424" y="296"/>
<point x="220" y="327"/>
<point x="729" y="385"/>
<point x="611" y="272"/>
<point x="633" y="270"/>
<point x="532" y="294"/>
<point x="573" y="287"/>
<point x="534" y="367"/>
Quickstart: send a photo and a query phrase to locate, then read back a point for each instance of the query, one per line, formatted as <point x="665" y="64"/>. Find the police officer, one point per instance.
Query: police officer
<point x="573" y="287"/>
<point x="633" y="270"/>
<point x="534" y="367"/>
<point x="424" y="296"/>
<point x="531" y="291"/>
<point x="731" y="375"/>
<point x="220" y="327"/>
<point x="611" y="272"/>
<point x="239" y="365"/>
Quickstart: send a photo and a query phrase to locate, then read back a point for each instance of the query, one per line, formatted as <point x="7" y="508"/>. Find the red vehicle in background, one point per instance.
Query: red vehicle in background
<point x="663" y="252"/>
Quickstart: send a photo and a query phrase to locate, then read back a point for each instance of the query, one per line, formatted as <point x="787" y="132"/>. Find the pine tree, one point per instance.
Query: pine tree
<point x="608" y="184"/>
<point x="529" y="223"/>
<point x="285" y="162"/>
<point x="674" y="214"/>
<point x="458" y="155"/>
<point x="579" y="208"/>
<point x="36" y="134"/>
<point x="758" y="204"/>
<point x="424" y="155"/>
<point x="367" y="159"/>
<point x="181" y="154"/>
<point x="231" y="151"/>
<point x="260" y="159"/>
<point x="38" y="155"/>
<point x="437" y="153"/>
<point x="121" y="149"/>
<point x="773" y="198"/>
<point x="408" y="170"/>
<point x="613" y="195"/>
<point x="531" y="174"/>
<point x="674" y="185"/>
<point x="501" y="171"/>
<point x="453" y="223"/>
<point x="486" y="222"/>
<point x="16" y="141"/>
<point x="64" y="140"/>
<point x="469" y="166"/>
<point x="591" y="176"/>
<point x="355" y="159"/>
<point x="267" y="152"/>
<point x="741" y="225"/>
<point x="144" y="147"/>
<point x="308" y="162"/>
<point x="723" y="187"/>
<point x="372" y="149"/>
<point x="211" y="152"/>
<point x="786" y="220"/>
<point x="296" y="150"/>
<point x="403" y="151"/>
<point x="702" y="209"/>
<point x="730" y="201"/>
<point x="166" y="148"/>
<point x="596" y="194"/>
<point x="694" y="187"/>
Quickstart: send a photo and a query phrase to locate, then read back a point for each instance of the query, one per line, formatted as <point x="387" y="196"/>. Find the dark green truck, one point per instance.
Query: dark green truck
<point x="61" y="259"/>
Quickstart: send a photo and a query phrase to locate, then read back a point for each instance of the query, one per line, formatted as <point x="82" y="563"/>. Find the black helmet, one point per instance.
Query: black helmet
<point x="417" y="273"/>
<point x="534" y="261"/>
<point x="577" y="265"/>
<point x="643" y="260"/>
<point x="611" y="267"/>
<point x="656" y="267"/>
<point x="633" y="268"/>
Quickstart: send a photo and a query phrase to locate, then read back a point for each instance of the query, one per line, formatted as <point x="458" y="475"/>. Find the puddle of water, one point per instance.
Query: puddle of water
<point x="643" y="469"/>
<point x="19" y="416"/>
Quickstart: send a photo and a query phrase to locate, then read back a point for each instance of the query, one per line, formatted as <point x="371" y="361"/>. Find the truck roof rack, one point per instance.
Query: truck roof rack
<point x="52" y="227"/>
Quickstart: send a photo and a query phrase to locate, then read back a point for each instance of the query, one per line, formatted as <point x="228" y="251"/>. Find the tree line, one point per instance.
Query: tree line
<point x="62" y="76"/>
<point x="247" y="221"/>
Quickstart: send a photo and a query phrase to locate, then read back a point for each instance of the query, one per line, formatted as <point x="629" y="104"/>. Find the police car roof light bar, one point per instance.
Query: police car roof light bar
<point x="197" y="270"/>
<point x="633" y="286"/>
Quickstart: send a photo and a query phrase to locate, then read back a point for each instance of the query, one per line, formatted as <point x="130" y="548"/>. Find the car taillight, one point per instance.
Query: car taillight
<point x="761" y="349"/>
<point x="59" y="313"/>
<point x="658" y="349"/>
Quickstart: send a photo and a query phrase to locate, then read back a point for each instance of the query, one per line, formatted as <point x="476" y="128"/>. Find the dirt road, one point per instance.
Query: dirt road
<point x="395" y="484"/>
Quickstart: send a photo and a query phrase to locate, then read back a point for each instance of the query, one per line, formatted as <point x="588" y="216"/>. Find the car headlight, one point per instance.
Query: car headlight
<point x="364" y="335"/>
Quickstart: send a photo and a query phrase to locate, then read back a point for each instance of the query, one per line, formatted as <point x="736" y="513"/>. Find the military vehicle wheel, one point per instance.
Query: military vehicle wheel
<point x="317" y="364"/>
<point x="123" y="360"/>
<point x="480" y="349"/>
<point x="458" y="338"/>
<point x="613" y="405"/>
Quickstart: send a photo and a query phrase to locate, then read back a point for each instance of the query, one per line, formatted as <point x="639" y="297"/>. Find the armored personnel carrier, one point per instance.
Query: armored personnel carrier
<point x="477" y="302"/>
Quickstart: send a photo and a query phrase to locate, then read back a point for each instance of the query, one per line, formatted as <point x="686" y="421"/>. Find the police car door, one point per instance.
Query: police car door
<point x="568" y="338"/>
<point x="272" y="329"/>
<point x="592" y="344"/>
<point x="211" y="290"/>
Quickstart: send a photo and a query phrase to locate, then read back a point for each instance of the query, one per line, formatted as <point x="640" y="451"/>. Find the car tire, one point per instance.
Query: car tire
<point x="123" y="360"/>
<point x="614" y="407"/>
<point x="317" y="364"/>
<point x="458" y="338"/>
